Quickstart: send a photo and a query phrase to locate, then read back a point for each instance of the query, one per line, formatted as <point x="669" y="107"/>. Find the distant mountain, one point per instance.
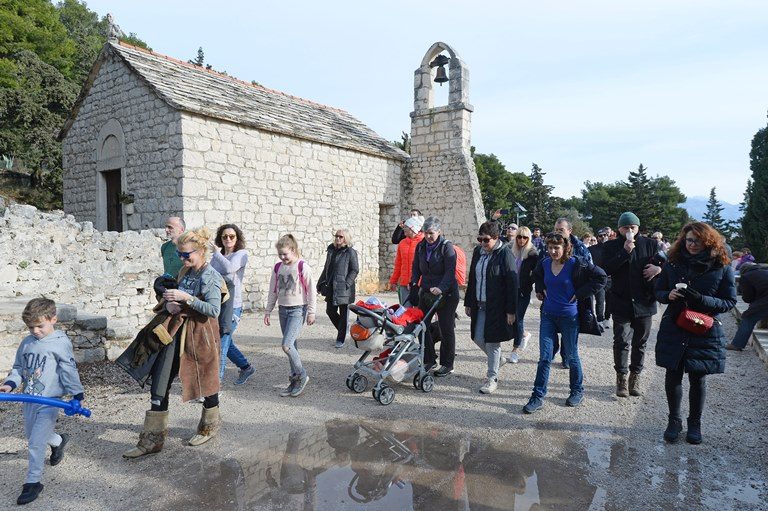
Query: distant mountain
<point x="697" y="206"/>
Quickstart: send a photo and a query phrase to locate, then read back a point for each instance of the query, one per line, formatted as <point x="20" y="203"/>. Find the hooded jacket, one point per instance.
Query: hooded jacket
<point x="703" y="354"/>
<point x="406" y="250"/>
<point x="46" y="367"/>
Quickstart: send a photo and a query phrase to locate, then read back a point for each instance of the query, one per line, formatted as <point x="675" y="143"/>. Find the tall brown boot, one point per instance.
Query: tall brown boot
<point x="622" y="386"/>
<point x="634" y="384"/>
<point x="209" y="425"/>
<point x="152" y="437"/>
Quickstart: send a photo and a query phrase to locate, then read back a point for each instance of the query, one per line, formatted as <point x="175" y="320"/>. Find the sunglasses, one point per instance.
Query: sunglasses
<point x="229" y="236"/>
<point x="692" y="241"/>
<point x="521" y="237"/>
<point x="484" y="239"/>
<point x="185" y="255"/>
<point x="339" y="236"/>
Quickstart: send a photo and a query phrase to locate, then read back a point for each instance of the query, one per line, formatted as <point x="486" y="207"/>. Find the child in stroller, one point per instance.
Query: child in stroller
<point x="376" y="329"/>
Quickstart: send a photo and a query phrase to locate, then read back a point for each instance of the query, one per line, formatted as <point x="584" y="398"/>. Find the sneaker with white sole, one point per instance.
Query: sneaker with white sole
<point x="513" y="358"/>
<point x="489" y="386"/>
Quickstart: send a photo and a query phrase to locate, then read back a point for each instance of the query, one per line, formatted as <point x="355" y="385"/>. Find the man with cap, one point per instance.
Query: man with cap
<point x="406" y="249"/>
<point x="632" y="262"/>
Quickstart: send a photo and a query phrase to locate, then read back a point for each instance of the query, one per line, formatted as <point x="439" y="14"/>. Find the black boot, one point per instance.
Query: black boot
<point x="674" y="427"/>
<point x="57" y="453"/>
<point x="29" y="492"/>
<point x="693" y="436"/>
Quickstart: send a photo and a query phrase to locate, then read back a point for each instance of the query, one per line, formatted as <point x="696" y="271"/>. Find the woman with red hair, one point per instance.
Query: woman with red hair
<point x="698" y="278"/>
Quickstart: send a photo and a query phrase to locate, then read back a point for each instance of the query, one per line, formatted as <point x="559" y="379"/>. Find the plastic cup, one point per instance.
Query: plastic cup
<point x="681" y="285"/>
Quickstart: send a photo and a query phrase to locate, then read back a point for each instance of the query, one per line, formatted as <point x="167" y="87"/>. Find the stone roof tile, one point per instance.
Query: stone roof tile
<point x="208" y="93"/>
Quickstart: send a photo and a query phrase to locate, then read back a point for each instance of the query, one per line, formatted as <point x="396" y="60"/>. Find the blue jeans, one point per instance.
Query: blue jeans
<point x="523" y="299"/>
<point x="568" y="326"/>
<point x="746" y="326"/>
<point x="228" y="348"/>
<point x="291" y="321"/>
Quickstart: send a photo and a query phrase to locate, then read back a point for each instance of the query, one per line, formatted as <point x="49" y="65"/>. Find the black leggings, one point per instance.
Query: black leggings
<point x="211" y="401"/>
<point x="673" y="384"/>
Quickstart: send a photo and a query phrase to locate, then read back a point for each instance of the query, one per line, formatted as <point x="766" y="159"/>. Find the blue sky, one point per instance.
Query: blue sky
<point x="588" y="90"/>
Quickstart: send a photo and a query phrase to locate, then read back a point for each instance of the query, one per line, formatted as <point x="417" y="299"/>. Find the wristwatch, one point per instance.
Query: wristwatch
<point x="189" y="302"/>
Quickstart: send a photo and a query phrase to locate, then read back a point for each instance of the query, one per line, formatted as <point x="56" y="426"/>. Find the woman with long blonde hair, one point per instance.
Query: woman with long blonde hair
<point x="526" y="257"/>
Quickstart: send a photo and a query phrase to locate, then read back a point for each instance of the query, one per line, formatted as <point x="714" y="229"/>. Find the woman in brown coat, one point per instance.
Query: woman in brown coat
<point x="193" y="349"/>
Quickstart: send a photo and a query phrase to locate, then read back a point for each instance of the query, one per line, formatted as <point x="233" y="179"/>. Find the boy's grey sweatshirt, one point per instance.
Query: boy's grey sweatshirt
<point x="46" y="367"/>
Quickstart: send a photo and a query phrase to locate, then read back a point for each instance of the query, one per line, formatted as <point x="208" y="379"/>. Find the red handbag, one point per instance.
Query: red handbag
<point x="695" y="322"/>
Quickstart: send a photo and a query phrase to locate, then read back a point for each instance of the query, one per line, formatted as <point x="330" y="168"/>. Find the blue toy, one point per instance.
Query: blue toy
<point x="71" y="407"/>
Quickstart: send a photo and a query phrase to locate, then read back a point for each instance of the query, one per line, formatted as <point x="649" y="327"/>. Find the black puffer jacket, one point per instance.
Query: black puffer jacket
<point x="500" y="294"/>
<point x="699" y="354"/>
<point x="337" y="281"/>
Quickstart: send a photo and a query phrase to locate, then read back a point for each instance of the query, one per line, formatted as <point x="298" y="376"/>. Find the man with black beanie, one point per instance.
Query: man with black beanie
<point x="632" y="262"/>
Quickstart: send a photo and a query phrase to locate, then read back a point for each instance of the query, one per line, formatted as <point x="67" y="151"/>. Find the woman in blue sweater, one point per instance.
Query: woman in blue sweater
<point x="561" y="280"/>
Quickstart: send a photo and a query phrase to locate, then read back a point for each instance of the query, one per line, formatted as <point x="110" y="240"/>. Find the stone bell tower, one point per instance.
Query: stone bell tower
<point x="440" y="177"/>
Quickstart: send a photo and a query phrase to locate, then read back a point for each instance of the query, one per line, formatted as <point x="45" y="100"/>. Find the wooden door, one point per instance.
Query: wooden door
<point x="114" y="207"/>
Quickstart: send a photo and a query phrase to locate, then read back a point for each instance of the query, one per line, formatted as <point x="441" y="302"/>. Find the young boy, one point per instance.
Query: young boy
<point x="44" y="366"/>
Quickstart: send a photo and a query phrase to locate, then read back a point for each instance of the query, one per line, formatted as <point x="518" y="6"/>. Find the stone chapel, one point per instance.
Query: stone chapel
<point x="151" y="137"/>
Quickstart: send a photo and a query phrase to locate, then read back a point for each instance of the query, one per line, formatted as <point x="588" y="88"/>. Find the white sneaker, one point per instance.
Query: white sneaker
<point x="524" y="341"/>
<point x="513" y="358"/>
<point x="502" y="362"/>
<point x="489" y="386"/>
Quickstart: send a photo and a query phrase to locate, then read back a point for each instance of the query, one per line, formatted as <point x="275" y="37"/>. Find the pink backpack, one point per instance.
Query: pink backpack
<point x="301" y="275"/>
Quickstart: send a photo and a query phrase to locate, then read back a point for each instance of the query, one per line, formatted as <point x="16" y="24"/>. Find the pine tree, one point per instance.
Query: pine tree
<point x="714" y="213"/>
<point x="641" y="197"/>
<point x="755" y="223"/>
<point x="200" y="59"/>
<point x="538" y="203"/>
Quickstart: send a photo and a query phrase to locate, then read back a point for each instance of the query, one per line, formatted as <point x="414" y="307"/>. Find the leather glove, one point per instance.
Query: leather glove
<point x="692" y="296"/>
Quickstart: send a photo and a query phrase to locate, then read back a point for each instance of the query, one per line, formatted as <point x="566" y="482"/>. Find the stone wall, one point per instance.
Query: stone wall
<point x="271" y="184"/>
<point x="122" y="124"/>
<point x="100" y="273"/>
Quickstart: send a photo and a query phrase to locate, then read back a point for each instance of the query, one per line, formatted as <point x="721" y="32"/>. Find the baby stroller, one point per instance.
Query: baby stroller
<point x="402" y="357"/>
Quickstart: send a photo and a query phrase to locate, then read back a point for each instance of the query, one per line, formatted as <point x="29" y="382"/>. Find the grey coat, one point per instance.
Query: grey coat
<point x="337" y="281"/>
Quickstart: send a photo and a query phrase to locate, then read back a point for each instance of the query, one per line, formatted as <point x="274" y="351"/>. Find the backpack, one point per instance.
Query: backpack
<point x="461" y="262"/>
<point x="301" y="275"/>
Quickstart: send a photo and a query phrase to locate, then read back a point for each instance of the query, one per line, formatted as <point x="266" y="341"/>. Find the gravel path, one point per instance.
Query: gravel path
<point x="614" y="444"/>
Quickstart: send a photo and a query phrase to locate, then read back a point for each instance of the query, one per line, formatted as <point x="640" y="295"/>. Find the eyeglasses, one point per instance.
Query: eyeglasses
<point x="484" y="239"/>
<point x="185" y="255"/>
<point x="229" y="236"/>
<point x="521" y="237"/>
<point x="692" y="241"/>
<point x="602" y="236"/>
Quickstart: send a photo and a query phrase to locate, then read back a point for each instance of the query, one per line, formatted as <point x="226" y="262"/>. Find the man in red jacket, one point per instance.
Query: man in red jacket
<point x="406" y="249"/>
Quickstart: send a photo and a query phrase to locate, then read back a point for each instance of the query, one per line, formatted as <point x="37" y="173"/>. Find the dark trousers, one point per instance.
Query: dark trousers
<point x="600" y="304"/>
<point x="673" y="384"/>
<point x="624" y="329"/>
<point x="446" y="320"/>
<point x="208" y="402"/>
<point x="338" y="316"/>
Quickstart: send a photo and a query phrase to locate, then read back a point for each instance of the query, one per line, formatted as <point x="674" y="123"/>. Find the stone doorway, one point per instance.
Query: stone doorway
<point x="114" y="188"/>
<point x="387" y="222"/>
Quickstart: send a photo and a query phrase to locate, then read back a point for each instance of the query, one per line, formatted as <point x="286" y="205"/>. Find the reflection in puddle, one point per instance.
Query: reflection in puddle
<point x="367" y="466"/>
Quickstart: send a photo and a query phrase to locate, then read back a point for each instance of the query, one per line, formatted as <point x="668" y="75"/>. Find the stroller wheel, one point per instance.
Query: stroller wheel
<point x="427" y="383"/>
<point x="416" y="381"/>
<point x="386" y="395"/>
<point x="350" y="380"/>
<point x="359" y="384"/>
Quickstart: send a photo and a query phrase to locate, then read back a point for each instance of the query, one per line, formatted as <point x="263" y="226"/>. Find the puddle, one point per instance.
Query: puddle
<point x="364" y="466"/>
<point x="398" y="466"/>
